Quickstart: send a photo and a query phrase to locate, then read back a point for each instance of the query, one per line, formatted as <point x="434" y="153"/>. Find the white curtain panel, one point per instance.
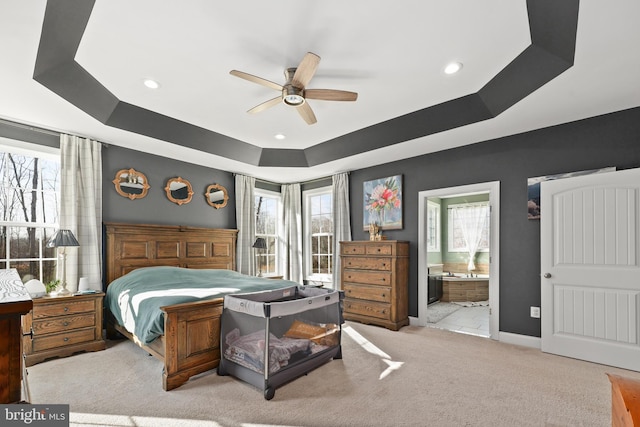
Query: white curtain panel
<point x="290" y="252"/>
<point x="473" y="220"/>
<point x="341" y="221"/>
<point x="81" y="208"/>
<point x="246" y="224"/>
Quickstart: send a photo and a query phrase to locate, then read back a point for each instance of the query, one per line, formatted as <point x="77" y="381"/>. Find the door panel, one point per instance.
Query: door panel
<point x="590" y="284"/>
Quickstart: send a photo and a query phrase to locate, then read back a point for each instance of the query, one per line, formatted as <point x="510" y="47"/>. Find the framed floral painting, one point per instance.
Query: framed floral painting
<point x="383" y="203"/>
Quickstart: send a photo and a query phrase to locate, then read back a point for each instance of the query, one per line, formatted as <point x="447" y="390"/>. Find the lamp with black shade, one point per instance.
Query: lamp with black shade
<point x="61" y="239"/>
<point x="260" y="244"/>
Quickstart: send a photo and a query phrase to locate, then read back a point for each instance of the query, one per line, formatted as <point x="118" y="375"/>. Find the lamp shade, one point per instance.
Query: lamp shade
<point x="62" y="238"/>
<point x="260" y="243"/>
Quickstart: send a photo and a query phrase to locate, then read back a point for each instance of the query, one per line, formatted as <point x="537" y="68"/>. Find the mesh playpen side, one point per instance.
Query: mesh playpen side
<point x="270" y="338"/>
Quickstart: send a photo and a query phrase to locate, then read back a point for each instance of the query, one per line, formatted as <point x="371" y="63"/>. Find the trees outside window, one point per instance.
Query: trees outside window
<point x="29" y="209"/>
<point x="267" y="205"/>
<point x="318" y="214"/>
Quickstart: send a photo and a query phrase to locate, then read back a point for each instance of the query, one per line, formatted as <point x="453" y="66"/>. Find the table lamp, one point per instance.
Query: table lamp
<point x="61" y="239"/>
<point x="260" y="243"/>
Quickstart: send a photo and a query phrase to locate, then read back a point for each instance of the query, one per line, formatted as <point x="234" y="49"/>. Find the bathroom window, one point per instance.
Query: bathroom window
<point x="433" y="226"/>
<point x="470" y="219"/>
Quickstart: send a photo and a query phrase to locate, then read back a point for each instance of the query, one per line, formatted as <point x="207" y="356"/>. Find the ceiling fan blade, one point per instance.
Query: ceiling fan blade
<point x="255" y="79"/>
<point x="330" y="95"/>
<point x="307" y="113"/>
<point x="267" y="104"/>
<point x="305" y="71"/>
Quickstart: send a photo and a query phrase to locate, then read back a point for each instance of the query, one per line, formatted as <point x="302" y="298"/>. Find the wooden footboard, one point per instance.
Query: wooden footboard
<point x="191" y="343"/>
<point x="191" y="340"/>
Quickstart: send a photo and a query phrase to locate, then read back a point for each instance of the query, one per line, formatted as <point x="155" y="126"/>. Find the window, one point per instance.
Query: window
<point x="29" y="209"/>
<point x="465" y="216"/>
<point x="433" y="226"/>
<point x="318" y="214"/>
<point x="267" y="205"/>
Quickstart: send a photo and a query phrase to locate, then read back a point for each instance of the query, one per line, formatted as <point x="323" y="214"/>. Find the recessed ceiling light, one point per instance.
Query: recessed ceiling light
<point x="453" y="68"/>
<point x="151" y="84"/>
<point x="279" y="136"/>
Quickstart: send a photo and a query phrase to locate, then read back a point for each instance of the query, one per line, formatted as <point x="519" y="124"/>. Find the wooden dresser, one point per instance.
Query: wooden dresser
<point x="63" y="326"/>
<point x="14" y="302"/>
<point x="625" y="401"/>
<point x="375" y="280"/>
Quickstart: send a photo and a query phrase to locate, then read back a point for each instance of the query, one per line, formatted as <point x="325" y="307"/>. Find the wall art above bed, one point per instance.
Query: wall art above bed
<point x="131" y="184"/>
<point x="179" y="190"/>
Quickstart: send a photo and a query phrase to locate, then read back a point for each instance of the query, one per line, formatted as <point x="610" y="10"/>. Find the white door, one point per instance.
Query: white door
<point x="590" y="277"/>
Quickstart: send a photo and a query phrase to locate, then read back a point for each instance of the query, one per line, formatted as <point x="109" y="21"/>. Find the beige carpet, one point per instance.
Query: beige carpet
<point x="414" y="377"/>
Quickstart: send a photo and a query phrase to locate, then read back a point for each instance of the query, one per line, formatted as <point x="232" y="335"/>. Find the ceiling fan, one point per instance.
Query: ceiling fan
<point x="294" y="92"/>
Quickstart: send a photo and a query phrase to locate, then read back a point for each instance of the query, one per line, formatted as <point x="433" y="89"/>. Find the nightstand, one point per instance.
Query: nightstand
<point x="62" y="326"/>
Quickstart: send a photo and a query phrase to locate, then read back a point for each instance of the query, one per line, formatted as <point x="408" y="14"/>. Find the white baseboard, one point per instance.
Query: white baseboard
<point x="506" y="337"/>
<point x="523" y="340"/>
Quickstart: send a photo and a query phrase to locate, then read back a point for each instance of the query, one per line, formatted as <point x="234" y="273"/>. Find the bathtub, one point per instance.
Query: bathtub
<point x="460" y="288"/>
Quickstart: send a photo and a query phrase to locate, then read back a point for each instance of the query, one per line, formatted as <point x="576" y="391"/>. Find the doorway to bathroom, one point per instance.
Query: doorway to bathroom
<point x="459" y="236"/>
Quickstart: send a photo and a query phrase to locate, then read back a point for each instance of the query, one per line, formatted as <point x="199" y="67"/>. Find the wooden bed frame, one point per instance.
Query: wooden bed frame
<point x="191" y="341"/>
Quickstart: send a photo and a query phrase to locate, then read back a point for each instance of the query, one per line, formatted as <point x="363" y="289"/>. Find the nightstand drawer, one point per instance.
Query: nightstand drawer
<point x="64" y="323"/>
<point x="63" y="307"/>
<point x="64" y="339"/>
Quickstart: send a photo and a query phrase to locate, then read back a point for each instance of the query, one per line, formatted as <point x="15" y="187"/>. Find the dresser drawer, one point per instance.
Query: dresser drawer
<point x="363" y="263"/>
<point x="371" y="293"/>
<point x="379" y="249"/>
<point x="63" y="323"/>
<point x="59" y="309"/>
<point x="367" y="277"/>
<point x="367" y="308"/>
<point x="356" y="249"/>
<point x="63" y="339"/>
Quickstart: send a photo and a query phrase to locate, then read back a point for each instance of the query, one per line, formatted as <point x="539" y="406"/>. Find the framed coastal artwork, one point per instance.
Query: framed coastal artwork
<point x="382" y="204"/>
<point x="533" y="188"/>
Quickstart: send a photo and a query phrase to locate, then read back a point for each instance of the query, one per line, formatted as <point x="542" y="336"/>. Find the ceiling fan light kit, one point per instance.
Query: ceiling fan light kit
<point x="294" y="92"/>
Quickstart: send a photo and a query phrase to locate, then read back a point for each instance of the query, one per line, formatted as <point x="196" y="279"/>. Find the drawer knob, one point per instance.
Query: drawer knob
<point x="66" y="309"/>
<point x="65" y="324"/>
<point x="66" y="339"/>
<point x="383" y="295"/>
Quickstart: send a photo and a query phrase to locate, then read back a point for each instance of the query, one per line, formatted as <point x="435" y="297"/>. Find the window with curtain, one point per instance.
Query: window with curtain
<point x="318" y="220"/>
<point x="29" y="209"/>
<point x="268" y="207"/>
<point x="461" y="217"/>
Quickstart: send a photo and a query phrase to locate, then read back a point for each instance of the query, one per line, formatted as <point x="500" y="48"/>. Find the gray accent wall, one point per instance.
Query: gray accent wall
<point x="155" y="208"/>
<point x="603" y="141"/>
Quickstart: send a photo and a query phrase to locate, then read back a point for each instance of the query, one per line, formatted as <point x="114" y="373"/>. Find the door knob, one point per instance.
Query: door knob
<point x="547" y="275"/>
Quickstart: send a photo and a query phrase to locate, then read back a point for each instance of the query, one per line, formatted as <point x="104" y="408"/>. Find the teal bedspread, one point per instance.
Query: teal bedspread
<point x="135" y="298"/>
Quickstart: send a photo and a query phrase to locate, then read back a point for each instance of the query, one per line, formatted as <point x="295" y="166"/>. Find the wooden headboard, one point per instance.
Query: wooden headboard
<point x="131" y="246"/>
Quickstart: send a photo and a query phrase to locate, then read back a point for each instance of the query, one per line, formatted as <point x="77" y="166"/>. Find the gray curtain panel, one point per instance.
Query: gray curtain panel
<point x="246" y="224"/>
<point x="341" y="221"/>
<point x="81" y="208"/>
<point x="290" y="253"/>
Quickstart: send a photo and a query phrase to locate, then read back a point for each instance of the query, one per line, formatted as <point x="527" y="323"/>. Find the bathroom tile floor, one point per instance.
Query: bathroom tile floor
<point x="468" y="320"/>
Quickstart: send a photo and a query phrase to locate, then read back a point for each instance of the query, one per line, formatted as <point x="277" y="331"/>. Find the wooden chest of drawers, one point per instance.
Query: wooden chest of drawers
<point x="375" y="279"/>
<point x="62" y="326"/>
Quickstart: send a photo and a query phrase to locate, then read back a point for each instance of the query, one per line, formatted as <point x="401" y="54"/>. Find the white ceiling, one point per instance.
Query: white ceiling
<point x="392" y="54"/>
